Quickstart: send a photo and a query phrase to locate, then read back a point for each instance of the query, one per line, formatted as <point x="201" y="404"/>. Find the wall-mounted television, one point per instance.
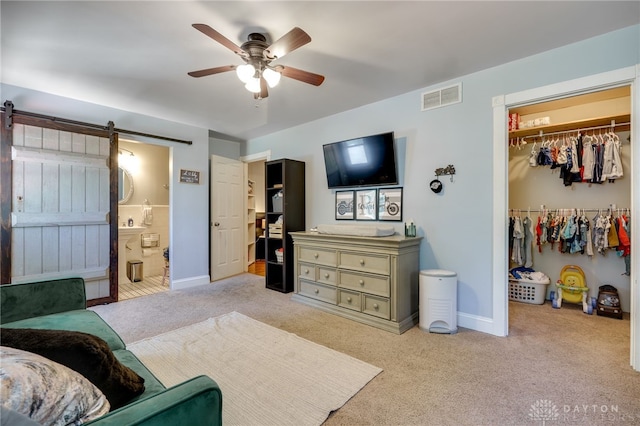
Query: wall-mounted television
<point x="366" y="161"/>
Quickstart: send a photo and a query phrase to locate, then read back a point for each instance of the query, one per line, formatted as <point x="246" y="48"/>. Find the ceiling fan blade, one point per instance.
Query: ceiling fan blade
<point x="301" y="75"/>
<point x="287" y="43"/>
<point x="207" y="30"/>
<point x="210" y="71"/>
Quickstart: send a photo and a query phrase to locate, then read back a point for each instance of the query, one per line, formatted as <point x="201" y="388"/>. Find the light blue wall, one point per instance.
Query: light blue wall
<point x="189" y="203"/>
<point x="457" y="223"/>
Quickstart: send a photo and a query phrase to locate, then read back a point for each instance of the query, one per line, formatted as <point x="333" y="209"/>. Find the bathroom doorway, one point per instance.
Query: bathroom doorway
<point x="143" y="219"/>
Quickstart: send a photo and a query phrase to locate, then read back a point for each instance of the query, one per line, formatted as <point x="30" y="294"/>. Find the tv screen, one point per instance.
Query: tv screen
<point x="366" y="161"/>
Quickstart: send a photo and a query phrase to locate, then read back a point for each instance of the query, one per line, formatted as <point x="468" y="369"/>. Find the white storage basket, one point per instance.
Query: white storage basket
<point x="528" y="291"/>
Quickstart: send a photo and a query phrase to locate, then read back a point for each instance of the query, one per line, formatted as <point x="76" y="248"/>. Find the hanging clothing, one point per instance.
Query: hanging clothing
<point x="625" y="249"/>
<point x="616" y="171"/>
<point x="527" y="225"/>
<point x="612" y="236"/>
<point x="600" y="233"/>
<point x="518" y="241"/>
<point x="587" y="159"/>
<point x="588" y="247"/>
<point x="598" y="162"/>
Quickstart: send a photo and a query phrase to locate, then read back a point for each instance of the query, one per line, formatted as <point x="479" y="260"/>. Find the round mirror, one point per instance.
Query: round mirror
<point x="125" y="185"/>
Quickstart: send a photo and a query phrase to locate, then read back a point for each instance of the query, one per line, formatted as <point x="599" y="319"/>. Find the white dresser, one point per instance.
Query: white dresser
<point x="373" y="280"/>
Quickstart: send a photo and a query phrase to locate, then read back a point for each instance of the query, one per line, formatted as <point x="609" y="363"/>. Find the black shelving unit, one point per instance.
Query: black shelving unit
<point x="285" y="177"/>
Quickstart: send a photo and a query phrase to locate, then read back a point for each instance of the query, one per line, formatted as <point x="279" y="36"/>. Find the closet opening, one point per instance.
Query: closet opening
<point x="255" y="174"/>
<point x="570" y="206"/>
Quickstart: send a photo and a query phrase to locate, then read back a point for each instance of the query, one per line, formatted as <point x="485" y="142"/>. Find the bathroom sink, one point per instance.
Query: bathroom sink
<point x="125" y="231"/>
<point x="125" y="234"/>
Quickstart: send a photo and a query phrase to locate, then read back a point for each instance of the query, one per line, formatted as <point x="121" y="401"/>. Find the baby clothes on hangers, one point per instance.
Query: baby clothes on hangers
<point x="612" y="236"/>
<point x="527" y="225"/>
<point x="518" y="241"/>
<point x="600" y="232"/>
<point x="587" y="159"/>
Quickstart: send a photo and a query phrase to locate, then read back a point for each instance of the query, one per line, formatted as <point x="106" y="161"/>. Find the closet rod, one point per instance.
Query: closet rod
<point x="582" y="129"/>
<point x="571" y="208"/>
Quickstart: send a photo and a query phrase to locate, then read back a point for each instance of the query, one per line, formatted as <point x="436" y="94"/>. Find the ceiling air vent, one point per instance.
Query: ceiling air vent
<point x="442" y="97"/>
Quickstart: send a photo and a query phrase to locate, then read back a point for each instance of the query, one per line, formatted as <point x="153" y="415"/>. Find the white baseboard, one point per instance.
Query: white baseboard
<point x="190" y="282"/>
<point x="477" y="323"/>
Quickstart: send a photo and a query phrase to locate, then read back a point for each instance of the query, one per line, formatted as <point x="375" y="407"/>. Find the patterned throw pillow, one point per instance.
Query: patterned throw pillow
<point x="46" y="391"/>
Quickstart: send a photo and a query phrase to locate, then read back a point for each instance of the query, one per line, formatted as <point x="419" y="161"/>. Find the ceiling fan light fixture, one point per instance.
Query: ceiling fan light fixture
<point x="245" y="72"/>
<point x="272" y="77"/>
<point x="253" y="85"/>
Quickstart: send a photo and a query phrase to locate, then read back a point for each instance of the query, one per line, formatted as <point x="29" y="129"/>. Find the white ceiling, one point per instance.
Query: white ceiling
<point x="135" y="55"/>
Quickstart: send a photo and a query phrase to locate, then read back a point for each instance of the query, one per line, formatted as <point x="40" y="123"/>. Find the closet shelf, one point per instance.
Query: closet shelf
<point x="573" y="125"/>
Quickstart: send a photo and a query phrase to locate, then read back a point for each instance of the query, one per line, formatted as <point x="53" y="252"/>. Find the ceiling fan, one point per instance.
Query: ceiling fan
<point x="257" y="72"/>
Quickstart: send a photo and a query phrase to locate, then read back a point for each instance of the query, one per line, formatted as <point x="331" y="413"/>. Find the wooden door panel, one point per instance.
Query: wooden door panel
<point x="60" y="207"/>
<point x="227" y="210"/>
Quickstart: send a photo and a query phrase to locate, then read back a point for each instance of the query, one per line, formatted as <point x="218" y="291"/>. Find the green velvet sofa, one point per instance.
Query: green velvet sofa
<point x="61" y="305"/>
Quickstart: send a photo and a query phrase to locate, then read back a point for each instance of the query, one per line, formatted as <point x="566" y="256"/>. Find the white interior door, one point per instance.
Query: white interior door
<point x="60" y="207"/>
<point x="227" y="217"/>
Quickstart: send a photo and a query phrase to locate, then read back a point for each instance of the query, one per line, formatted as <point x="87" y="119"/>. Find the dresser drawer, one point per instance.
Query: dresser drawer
<point x="318" y="291"/>
<point x="318" y="256"/>
<point x="372" y="263"/>
<point x="373" y="284"/>
<point x="376" y="306"/>
<point x="349" y="299"/>
<point x="307" y="271"/>
<point x="326" y="275"/>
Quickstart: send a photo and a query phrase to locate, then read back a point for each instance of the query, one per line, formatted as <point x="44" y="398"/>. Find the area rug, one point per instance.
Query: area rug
<point x="268" y="376"/>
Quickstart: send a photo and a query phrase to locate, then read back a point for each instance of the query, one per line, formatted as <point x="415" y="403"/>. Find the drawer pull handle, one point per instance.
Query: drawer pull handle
<point x="315" y="255"/>
<point x="361" y="282"/>
<point x="306" y="271"/>
<point x="316" y="291"/>
<point x="362" y="262"/>
<point x="375" y="306"/>
<point x="349" y="299"/>
<point x="326" y="275"/>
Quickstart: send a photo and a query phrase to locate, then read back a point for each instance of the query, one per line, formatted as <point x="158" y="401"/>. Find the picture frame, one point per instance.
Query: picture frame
<point x="189" y="176"/>
<point x="390" y="204"/>
<point x="366" y="204"/>
<point x="344" y="205"/>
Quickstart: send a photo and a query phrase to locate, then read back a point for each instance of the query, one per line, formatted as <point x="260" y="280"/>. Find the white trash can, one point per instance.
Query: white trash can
<point x="438" y="301"/>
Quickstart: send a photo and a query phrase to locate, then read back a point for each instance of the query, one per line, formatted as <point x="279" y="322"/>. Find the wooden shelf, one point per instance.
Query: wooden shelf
<point x="287" y="177"/>
<point x="574" y="125"/>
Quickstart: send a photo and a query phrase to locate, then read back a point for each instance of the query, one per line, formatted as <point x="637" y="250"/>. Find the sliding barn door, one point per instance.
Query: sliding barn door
<point x="60" y="207"/>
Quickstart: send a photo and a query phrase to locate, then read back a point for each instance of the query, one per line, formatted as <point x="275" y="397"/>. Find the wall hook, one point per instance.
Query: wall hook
<point x="449" y="170"/>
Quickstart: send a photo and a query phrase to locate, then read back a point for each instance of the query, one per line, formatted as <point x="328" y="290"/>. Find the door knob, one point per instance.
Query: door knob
<point x="216" y="224"/>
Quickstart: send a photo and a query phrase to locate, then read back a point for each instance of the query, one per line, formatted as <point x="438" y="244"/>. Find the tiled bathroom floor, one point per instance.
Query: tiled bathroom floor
<point x="149" y="285"/>
<point x="152" y="285"/>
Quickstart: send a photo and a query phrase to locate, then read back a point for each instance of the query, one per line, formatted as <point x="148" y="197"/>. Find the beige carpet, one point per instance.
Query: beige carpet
<point x="267" y="376"/>
<point x="578" y="362"/>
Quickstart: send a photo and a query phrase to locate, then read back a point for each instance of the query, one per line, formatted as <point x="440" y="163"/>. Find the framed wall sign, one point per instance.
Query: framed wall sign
<point x="189" y="176"/>
<point x="366" y="204"/>
<point x="344" y="205"/>
<point x="390" y="204"/>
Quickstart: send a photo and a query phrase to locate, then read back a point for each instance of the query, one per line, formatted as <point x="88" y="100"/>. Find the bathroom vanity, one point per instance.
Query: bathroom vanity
<point x="125" y="234"/>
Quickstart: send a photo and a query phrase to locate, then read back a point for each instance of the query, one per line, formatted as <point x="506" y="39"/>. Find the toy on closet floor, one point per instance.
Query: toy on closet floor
<point x="609" y="302"/>
<point x="572" y="288"/>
